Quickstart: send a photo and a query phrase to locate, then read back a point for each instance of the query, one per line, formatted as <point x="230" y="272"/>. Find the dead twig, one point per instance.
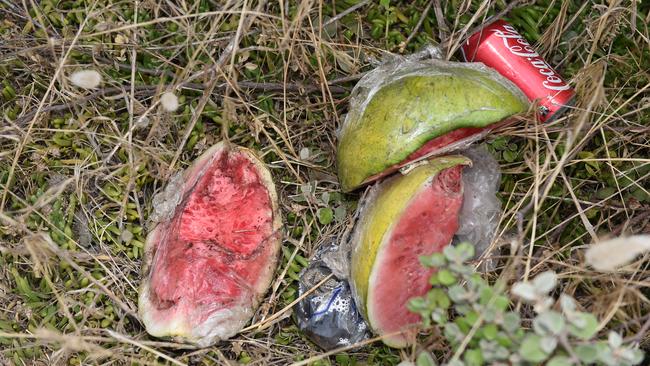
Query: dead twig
<point x="346" y="12"/>
<point x="443" y="29"/>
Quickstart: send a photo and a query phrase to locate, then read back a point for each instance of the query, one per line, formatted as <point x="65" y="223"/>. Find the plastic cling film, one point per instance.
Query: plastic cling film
<point x="390" y="72"/>
<point x="165" y="202"/>
<point x="481" y="210"/>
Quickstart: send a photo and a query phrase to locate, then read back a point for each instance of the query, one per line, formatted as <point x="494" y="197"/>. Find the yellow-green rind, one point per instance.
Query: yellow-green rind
<point x="405" y="114"/>
<point x="382" y="209"/>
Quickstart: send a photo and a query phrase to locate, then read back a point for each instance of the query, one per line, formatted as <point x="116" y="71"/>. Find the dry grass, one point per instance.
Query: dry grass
<point x="84" y="165"/>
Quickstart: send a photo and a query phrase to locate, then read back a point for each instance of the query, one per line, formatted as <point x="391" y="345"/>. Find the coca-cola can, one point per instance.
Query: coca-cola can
<point x="499" y="46"/>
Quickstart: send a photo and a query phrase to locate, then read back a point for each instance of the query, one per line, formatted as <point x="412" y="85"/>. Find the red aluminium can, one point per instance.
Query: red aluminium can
<point x="501" y="47"/>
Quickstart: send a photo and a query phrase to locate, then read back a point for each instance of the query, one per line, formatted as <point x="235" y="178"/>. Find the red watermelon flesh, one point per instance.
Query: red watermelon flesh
<point x="215" y="256"/>
<point x="434" y="147"/>
<point x="427" y="225"/>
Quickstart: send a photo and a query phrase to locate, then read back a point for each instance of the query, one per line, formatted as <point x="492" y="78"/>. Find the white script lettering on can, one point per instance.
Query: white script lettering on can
<point x="522" y="48"/>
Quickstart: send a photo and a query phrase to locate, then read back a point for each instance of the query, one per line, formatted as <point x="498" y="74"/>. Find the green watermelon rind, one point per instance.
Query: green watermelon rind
<point x="463" y="95"/>
<point x="377" y="211"/>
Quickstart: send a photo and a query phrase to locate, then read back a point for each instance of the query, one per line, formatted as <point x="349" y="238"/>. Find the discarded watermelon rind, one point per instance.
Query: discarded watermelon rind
<point x="225" y="324"/>
<point x="381" y="210"/>
<point x="403" y="113"/>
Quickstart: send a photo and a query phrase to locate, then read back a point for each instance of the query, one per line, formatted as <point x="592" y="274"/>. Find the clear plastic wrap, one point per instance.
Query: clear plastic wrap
<point x="481" y="210"/>
<point x="164" y="203"/>
<point x="398" y="68"/>
<point x="409" y="109"/>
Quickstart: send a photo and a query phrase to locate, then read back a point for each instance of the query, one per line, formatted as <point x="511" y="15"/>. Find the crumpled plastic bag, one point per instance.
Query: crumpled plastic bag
<point x="329" y="316"/>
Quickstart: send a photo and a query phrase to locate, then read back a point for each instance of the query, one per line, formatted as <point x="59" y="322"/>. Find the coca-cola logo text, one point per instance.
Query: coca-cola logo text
<point x="518" y="45"/>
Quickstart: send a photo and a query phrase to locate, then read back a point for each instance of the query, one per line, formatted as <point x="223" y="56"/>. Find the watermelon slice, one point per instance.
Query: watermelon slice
<point x="208" y="263"/>
<point x="421" y="110"/>
<point x="403" y="218"/>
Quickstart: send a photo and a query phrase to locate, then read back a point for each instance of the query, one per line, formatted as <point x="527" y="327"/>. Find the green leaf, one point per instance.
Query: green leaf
<point x="605" y="192"/>
<point x="607" y="356"/>
<point x="473" y="357"/>
<point x="501" y="303"/>
<point x="462" y="269"/>
<point x="471" y="317"/>
<point x="583" y="325"/>
<point x="439" y="298"/>
<point x="476" y="282"/>
<point x="559" y="361"/>
<point x="434" y="260"/>
<point x="504" y="339"/>
<point x="446" y="278"/>
<point x="343" y="360"/>
<point x="615" y="340"/>
<point x="545" y="282"/>
<point x="325" y="197"/>
<point x="457" y="293"/>
<point x="509" y="156"/>
<point x="493" y="351"/>
<point x="511" y="322"/>
<point x="490" y="331"/>
<point x="463" y="324"/>
<point x="339" y="213"/>
<point x="548" y="344"/>
<point x="567" y="303"/>
<point x="439" y="316"/>
<point x="417" y="304"/>
<point x="384" y="3"/>
<point x="433" y="280"/>
<point x="325" y="215"/>
<point x="453" y="333"/>
<point x="486" y="295"/>
<point x="451" y="253"/>
<point x="489" y="314"/>
<point x="587" y="353"/>
<point x="531" y="349"/>
<point x="462" y="309"/>
<point x="525" y="291"/>
<point x="499" y="143"/>
<point x="589" y="155"/>
<point x="633" y="355"/>
<point x="465" y="251"/>
<point x="640" y="194"/>
<point x="549" y="322"/>
<point x="425" y="359"/>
